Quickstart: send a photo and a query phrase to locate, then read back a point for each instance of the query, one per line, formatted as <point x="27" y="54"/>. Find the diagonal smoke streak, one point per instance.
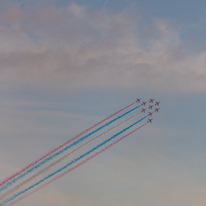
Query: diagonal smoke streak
<point x="14" y="180"/>
<point x="61" y="159"/>
<point x="78" y="165"/>
<point x="67" y="165"/>
<point x="59" y="147"/>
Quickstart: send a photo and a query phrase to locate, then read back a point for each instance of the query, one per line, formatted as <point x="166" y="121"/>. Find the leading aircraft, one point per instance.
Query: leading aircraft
<point x="150" y="106"/>
<point x="149" y="121"/>
<point x="138" y="100"/>
<point x="157" y="110"/>
<point x="150" y="114"/>
<point x="143" y="110"/>
<point x="144" y="103"/>
<point x="151" y="100"/>
<point x="157" y="103"/>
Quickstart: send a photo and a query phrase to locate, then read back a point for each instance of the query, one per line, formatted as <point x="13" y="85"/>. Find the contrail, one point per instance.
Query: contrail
<point x="57" y="161"/>
<point x="21" y="175"/>
<point x="59" y="147"/>
<point x="78" y="165"/>
<point x="67" y="165"/>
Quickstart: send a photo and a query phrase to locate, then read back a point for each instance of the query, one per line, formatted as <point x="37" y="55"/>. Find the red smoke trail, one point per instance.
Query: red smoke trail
<point x="78" y="165"/>
<point x="59" y="160"/>
<point x="9" y="192"/>
<point x="54" y="150"/>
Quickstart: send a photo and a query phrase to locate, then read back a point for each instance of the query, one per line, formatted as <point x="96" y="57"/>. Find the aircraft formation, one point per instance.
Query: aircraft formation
<point x="152" y="103"/>
<point x="12" y="188"/>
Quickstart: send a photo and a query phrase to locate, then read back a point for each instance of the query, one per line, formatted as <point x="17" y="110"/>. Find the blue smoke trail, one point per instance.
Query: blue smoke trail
<point x="14" y="180"/>
<point x="67" y="165"/>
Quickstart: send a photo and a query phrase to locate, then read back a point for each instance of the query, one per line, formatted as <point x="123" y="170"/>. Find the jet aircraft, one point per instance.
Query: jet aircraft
<point x="157" y="110"/>
<point x="143" y="110"/>
<point x="150" y="106"/>
<point x="151" y="100"/>
<point x="149" y="121"/>
<point x="138" y="100"/>
<point x="150" y="114"/>
<point x="157" y="103"/>
<point x="144" y="103"/>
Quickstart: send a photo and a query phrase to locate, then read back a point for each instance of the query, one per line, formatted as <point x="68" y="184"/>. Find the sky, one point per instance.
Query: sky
<point x="66" y="65"/>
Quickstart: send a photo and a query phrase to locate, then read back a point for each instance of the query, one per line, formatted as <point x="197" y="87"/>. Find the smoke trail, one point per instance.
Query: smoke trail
<point x="61" y="159"/>
<point x="67" y="165"/>
<point x="59" y="147"/>
<point x="78" y="165"/>
<point x="61" y="151"/>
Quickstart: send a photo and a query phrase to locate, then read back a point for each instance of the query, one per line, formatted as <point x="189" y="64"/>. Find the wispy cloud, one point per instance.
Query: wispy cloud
<point x="77" y="49"/>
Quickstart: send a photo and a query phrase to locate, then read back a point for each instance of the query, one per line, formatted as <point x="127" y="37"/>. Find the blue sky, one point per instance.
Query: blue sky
<point x="66" y="65"/>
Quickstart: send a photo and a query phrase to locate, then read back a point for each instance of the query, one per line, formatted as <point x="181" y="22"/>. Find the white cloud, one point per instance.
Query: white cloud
<point x="50" y="197"/>
<point x="74" y="49"/>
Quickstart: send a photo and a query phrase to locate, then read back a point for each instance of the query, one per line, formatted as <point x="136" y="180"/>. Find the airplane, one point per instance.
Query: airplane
<point x="143" y="103"/>
<point x="149" y="121"/>
<point x="157" y="103"/>
<point x="138" y="100"/>
<point x="151" y="100"/>
<point x="150" y="106"/>
<point x="156" y="110"/>
<point x="143" y="110"/>
<point x="150" y="114"/>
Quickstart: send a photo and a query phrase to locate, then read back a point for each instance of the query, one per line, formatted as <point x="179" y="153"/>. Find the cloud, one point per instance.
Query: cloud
<point x="74" y="49"/>
<point x="50" y="197"/>
<point x="147" y="177"/>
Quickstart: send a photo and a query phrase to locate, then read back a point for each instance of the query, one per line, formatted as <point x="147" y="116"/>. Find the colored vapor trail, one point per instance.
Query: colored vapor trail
<point x="14" y="180"/>
<point x="73" y="161"/>
<point x="59" y="147"/>
<point x="61" y="159"/>
<point x="78" y="165"/>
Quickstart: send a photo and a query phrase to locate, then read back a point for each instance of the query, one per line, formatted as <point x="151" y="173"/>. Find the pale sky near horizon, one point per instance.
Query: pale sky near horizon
<point x="66" y="65"/>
